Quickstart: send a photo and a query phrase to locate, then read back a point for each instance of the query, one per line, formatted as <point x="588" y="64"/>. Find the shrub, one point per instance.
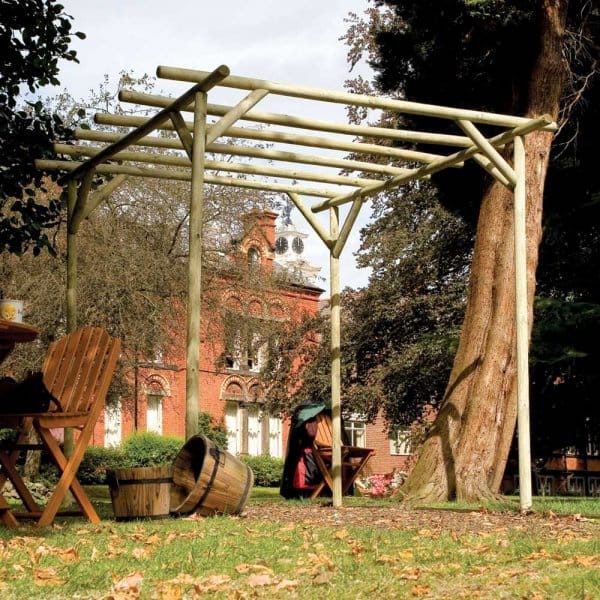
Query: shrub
<point x="267" y="469"/>
<point x="96" y="461"/>
<point x="215" y="432"/>
<point x="151" y="449"/>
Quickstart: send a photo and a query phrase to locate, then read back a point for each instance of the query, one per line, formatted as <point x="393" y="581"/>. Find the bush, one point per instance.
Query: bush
<point x="267" y="469"/>
<point x="96" y="461"/>
<point x="151" y="449"/>
<point x="215" y="432"/>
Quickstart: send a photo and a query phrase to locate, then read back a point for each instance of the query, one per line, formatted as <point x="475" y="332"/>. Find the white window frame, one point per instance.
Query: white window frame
<point x="154" y="404"/>
<point x="400" y="445"/>
<point x="355" y="429"/>
<point x="113" y="424"/>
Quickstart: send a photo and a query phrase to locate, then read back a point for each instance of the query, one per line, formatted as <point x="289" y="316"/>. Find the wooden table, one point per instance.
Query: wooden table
<point x="12" y="333"/>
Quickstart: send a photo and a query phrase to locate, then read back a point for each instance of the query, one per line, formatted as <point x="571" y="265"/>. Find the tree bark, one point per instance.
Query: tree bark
<point x="466" y="450"/>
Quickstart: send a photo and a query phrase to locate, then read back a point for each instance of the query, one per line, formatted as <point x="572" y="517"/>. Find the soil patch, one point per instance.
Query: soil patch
<point x="431" y="520"/>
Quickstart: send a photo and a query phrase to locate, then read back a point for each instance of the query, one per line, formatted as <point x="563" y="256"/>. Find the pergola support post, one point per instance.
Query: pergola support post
<point x="192" y="378"/>
<point x="71" y="298"/>
<point x="522" y="328"/>
<point x="336" y="369"/>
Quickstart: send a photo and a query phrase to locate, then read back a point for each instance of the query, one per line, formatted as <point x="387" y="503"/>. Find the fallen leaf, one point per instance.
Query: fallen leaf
<point x="246" y="568"/>
<point x="169" y="591"/>
<point x="322" y="578"/>
<point x="153" y="539"/>
<point x="259" y="580"/>
<point x="342" y="534"/>
<point x="67" y="555"/>
<point x="141" y="553"/>
<point x="130" y="582"/>
<point x="48" y="576"/>
<point x="286" y="584"/>
<point x="419" y="590"/>
<point x="587" y="561"/>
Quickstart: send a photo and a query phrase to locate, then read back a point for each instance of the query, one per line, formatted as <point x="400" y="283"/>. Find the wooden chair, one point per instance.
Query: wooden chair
<point x="354" y="458"/>
<point x="77" y="371"/>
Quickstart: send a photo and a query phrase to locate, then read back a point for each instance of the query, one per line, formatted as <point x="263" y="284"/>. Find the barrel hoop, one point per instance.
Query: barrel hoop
<point x="210" y="483"/>
<point x="135" y="481"/>
<point x="246" y="491"/>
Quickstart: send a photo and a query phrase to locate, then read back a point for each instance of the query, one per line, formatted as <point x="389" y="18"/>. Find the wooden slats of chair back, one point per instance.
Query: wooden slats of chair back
<point x="324" y="435"/>
<point x="79" y="367"/>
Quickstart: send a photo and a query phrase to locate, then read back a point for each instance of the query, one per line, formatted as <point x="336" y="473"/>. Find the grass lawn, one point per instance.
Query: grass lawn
<point x="306" y="549"/>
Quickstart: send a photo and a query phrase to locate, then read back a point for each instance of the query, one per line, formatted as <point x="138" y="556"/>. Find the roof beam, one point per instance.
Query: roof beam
<point x="180" y="175"/>
<point x="403" y="135"/>
<point x="212" y="165"/>
<point x="249" y="151"/>
<point x="288" y="138"/>
<point x="308" y="93"/>
<point x="206" y="83"/>
<point x="498" y="140"/>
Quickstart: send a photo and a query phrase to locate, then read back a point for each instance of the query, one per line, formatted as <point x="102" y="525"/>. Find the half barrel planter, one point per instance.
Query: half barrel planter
<point x="209" y="481"/>
<point x="140" y="492"/>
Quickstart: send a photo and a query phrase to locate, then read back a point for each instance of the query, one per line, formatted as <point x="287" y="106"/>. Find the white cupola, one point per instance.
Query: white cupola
<point x="290" y="247"/>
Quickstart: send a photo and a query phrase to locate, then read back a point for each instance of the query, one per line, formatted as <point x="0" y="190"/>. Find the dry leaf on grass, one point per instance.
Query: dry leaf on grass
<point x="48" y="576"/>
<point x="130" y="582"/>
<point x="246" y="568"/>
<point x="260" y="579"/>
<point x="419" y="590"/>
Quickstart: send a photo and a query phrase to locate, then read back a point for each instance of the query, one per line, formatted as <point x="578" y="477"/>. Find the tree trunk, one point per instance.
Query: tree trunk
<point x="465" y="453"/>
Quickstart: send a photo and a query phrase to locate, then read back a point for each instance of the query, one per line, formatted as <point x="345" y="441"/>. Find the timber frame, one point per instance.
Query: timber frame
<point x="370" y="167"/>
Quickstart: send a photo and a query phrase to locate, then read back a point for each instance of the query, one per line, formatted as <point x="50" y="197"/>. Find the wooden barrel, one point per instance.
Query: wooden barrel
<point x="141" y="492"/>
<point x="209" y="481"/>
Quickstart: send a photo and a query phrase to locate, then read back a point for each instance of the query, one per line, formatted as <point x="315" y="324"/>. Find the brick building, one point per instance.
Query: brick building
<point x="230" y="385"/>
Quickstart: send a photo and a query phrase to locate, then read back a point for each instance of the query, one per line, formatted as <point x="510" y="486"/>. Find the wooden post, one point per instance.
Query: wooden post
<point x="71" y="260"/>
<point x="192" y="378"/>
<point x="71" y="299"/>
<point x="522" y="328"/>
<point x="336" y="370"/>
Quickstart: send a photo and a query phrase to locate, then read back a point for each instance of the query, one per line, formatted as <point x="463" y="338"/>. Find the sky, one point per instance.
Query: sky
<point x="286" y="42"/>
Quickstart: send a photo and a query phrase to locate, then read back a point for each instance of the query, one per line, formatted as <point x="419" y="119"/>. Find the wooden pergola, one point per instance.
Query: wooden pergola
<point x="327" y="184"/>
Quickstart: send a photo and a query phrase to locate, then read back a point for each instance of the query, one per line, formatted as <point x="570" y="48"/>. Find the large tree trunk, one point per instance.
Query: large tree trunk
<point x="465" y="453"/>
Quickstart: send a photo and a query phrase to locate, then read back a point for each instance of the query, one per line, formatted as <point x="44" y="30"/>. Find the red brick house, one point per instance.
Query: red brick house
<point x="230" y="385"/>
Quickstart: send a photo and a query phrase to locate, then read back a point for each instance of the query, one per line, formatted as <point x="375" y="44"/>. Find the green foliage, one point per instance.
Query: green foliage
<point x="216" y="432"/>
<point x="267" y="469"/>
<point x="145" y="449"/>
<point x="34" y="36"/>
<point x="96" y="461"/>
<point x="149" y="449"/>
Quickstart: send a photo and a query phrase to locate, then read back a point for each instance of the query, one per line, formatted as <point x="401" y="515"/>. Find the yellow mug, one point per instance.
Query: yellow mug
<point x="11" y="310"/>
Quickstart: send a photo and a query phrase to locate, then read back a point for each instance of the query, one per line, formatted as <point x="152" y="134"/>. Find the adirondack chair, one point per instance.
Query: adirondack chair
<point x="354" y="458"/>
<point x="77" y="372"/>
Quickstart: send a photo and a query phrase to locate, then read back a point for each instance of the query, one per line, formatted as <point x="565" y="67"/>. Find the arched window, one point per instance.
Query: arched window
<point x="253" y="257"/>
<point x="156" y="388"/>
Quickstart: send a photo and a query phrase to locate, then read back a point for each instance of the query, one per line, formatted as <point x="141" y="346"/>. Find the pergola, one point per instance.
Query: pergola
<point x="328" y="183"/>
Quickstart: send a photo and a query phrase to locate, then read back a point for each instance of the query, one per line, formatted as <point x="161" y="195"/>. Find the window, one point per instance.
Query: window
<point x="233" y="431"/>
<point x="112" y="424"/>
<point x="254" y="431"/>
<point x="154" y="413"/>
<point x="253" y="257"/>
<point x="246" y="349"/>
<point x="275" y="439"/>
<point x="250" y="431"/>
<point x="400" y="443"/>
<point x="356" y="433"/>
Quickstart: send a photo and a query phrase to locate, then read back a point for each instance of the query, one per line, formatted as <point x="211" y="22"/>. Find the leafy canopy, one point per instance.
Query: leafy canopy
<point x="34" y="36"/>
